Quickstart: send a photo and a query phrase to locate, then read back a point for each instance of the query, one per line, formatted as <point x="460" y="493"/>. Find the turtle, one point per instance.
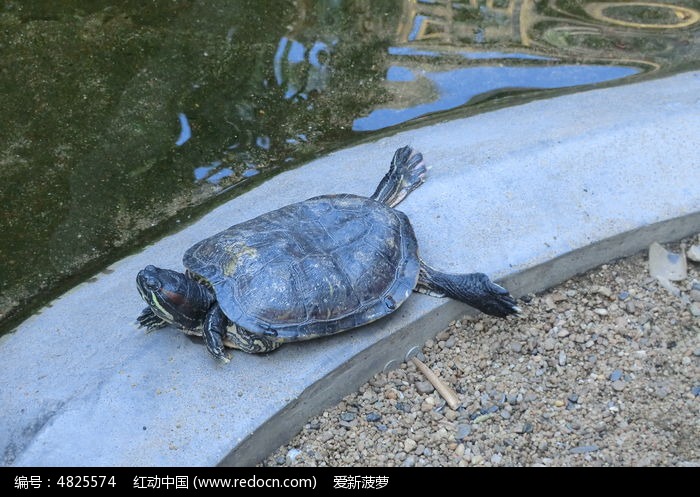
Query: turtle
<point x="307" y="270"/>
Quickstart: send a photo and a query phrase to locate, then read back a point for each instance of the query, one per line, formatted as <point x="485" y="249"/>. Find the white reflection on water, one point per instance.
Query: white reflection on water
<point x="456" y="87"/>
<point x="185" y="131"/>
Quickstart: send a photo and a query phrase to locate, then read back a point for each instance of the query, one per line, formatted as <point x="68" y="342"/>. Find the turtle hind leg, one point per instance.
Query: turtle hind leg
<point x="406" y="173"/>
<point x="474" y="289"/>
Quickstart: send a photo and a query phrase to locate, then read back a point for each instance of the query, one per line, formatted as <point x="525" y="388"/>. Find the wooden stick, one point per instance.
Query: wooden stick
<point x="447" y="393"/>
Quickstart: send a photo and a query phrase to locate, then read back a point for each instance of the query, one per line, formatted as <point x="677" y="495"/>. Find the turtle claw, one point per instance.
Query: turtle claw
<point x="150" y="321"/>
<point x="498" y="302"/>
<point x="474" y="289"/>
<point x="217" y="350"/>
<point x="214" y="332"/>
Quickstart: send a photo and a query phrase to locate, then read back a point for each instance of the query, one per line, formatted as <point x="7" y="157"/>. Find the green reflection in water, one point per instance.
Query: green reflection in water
<point x="94" y="161"/>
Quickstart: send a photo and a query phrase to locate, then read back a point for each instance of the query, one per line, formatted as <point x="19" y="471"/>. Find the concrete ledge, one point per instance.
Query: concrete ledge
<point x="532" y="195"/>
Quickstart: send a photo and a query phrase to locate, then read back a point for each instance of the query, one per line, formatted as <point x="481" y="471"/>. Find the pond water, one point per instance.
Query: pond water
<point x="126" y="120"/>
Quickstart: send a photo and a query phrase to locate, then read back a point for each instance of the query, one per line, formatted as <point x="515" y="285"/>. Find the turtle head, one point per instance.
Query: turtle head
<point x="174" y="297"/>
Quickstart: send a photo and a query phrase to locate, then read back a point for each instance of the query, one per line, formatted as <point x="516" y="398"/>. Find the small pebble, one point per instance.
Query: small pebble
<point x="604" y="291"/>
<point x="695" y="309"/>
<point x="562" y="358"/>
<point x="443" y="335"/>
<point x="616" y="375"/>
<point x="661" y="392"/>
<point x="409" y="445"/>
<point x="695" y="390"/>
<point x="558" y="297"/>
<point x="292" y="454"/>
<point x="618" y="386"/>
<point x="524" y="428"/>
<point x="347" y="416"/>
<point x="482" y="417"/>
<point x="693" y="253"/>
<point x="463" y="431"/>
<point x="373" y="417"/>
<point x="450" y="414"/>
<point x="425" y="387"/>
<point x="584" y="449"/>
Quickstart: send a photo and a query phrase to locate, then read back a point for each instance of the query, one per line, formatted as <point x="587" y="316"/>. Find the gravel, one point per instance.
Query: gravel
<point x="603" y="370"/>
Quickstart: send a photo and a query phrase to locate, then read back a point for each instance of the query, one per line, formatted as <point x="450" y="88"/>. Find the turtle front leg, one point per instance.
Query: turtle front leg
<point x="475" y="289"/>
<point x="150" y="320"/>
<point x="220" y="332"/>
<point x="251" y="343"/>
<point x="214" y="331"/>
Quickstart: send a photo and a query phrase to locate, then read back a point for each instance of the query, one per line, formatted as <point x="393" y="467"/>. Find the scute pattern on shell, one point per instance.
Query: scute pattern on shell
<point x="312" y="268"/>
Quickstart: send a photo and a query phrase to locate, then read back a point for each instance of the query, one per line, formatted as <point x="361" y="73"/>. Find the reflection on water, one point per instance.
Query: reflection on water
<point x="299" y="70"/>
<point x="643" y="15"/>
<point x="185" y="130"/>
<point x="121" y="118"/>
<point x="428" y="65"/>
<point x="457" y="87"/>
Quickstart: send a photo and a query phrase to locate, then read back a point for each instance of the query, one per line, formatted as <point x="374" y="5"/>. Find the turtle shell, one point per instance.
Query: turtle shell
<point x="312" y="268"/>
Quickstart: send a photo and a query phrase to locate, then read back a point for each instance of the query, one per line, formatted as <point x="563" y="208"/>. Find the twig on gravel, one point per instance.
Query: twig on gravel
<point x="447" y="393"/>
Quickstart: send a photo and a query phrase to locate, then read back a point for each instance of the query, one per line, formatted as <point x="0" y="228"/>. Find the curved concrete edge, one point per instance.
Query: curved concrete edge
<point x="515" y="192"/>
<point x="349" y="376"/>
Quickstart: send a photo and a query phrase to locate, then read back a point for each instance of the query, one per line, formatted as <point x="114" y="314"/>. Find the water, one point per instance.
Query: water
<point x="125" y="120"/>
